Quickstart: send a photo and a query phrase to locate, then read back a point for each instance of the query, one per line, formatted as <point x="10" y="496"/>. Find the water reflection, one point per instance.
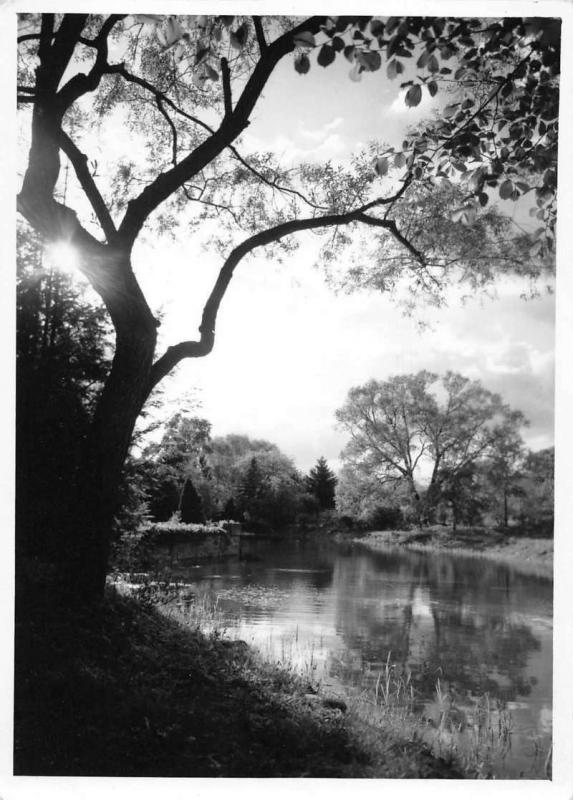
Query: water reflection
<point x="460" y="625"/>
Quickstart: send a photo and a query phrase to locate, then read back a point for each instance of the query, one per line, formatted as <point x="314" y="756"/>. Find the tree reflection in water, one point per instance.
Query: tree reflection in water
<point x="468" y="628"/>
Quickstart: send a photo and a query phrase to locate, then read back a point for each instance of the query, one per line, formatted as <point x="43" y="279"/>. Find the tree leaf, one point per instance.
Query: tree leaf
<point x="202" y="54"/>
<point x="326" y="55"/>
<point x="413" y="95"/>
<point x="239" y="36"/>
<point x="381" y="166"/>
<point x="302" y="64"/>
<point x="433" y="88"/>
<point x="356" y="73"/>
<point x="450" y="110"/>
<point x="399" y="160"/>
<point x="433" y="64"/>
<point x="394" y="68"/>
<point x="370" y="60"/>
<point x="304" y="39"/>
<point x="338" y="44"/>
<point x="199" y="79"/>
<point x="391" y="24"/>
<point x="506" y="190"/>
<point x="349" y="52"/>
<point x="376" y="27"/>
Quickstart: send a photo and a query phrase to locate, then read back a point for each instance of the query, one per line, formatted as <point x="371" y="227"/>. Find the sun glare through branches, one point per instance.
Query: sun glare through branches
<point x="62" y="256"/>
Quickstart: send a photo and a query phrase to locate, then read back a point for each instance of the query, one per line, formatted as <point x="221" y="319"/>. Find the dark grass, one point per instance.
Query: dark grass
<point x="120" y="690"/>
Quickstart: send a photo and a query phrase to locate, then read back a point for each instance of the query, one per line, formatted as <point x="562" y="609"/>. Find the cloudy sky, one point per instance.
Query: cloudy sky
<point x="288" y="349"/>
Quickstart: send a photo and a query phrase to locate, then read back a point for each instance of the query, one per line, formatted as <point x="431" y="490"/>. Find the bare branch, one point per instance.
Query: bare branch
<point x="210" y="203"/>
<point x="159" y="103"/>
<point x="391" y="226"/>
<point x="257" y="21"/>
<point x="26" y="37"/>
<point x="389" y="201"/>
<point x="79" y="163"/>
<point x="226" y="81"/>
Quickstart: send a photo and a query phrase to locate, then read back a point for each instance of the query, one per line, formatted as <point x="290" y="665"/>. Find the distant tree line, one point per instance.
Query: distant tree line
<point x="194" y="477"/>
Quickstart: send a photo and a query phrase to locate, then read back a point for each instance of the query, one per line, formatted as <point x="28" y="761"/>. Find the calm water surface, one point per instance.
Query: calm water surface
<point x="465" y="626"/>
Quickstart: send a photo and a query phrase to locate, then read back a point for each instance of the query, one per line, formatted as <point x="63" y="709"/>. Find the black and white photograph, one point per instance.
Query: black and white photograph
<point x="283" y="297"/>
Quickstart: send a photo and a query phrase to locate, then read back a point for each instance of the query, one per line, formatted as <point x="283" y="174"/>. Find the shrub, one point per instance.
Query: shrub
<point x="386" y="517"/>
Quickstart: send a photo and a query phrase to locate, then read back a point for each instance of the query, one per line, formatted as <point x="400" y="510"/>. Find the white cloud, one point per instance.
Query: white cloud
<point x="319" y="134"/>
<point x="288" y="151"/>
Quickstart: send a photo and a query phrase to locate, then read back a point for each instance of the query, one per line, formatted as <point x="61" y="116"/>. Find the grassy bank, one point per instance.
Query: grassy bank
<point x="527" y="554"/>
<point x="121" y="690"/>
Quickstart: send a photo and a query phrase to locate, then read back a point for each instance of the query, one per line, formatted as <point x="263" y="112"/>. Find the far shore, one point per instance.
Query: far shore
<point x="527" y="554"/>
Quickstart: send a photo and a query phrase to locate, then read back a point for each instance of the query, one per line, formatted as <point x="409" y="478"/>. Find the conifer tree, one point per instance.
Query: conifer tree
<point x="251" y="488"/>
<point x="191" y="505"/>
<point x="321" y="482"/>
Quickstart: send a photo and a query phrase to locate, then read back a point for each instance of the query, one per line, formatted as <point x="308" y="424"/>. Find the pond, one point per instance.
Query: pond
<point x="464" y="639"/>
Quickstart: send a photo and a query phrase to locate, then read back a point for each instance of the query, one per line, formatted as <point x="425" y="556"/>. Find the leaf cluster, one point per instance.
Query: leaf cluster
<point x="499" y="131"/>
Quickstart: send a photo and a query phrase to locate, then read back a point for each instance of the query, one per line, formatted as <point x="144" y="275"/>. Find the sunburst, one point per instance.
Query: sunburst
<point x="62" y="256"/>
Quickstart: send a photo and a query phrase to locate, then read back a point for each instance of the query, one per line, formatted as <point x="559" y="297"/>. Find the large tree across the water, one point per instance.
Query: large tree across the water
<point x="189" y="86"/>
<point x="447" y="424"/>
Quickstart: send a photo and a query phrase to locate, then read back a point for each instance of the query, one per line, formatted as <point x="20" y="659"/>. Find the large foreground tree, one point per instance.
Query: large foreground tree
<point x="187" y="88"/>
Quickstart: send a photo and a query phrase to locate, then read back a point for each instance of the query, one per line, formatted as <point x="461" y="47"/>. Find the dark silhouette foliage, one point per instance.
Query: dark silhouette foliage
<point x="321" y="482"/>
<point x="191" y="506"/>
<point x="60" y="365"/>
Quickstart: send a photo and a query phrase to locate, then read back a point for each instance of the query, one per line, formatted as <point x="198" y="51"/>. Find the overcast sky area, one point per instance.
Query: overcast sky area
<point x="288" y="348"/>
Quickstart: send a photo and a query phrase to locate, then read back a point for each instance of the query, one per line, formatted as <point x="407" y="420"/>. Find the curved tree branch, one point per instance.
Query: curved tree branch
<point x="159" y="103"/>
<point x="202" y="347"/>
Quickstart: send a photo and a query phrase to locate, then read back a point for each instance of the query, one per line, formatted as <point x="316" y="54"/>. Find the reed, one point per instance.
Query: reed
<point x="385" y="705"/>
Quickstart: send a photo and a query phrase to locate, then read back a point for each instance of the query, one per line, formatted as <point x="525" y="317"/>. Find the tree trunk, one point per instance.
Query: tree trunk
<point x="505" y="508"/>
<point x="96" y="492"/>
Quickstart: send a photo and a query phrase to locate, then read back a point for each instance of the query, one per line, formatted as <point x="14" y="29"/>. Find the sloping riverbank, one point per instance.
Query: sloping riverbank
<point x="529" y="555"/>
<point x="121" y="690"/>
